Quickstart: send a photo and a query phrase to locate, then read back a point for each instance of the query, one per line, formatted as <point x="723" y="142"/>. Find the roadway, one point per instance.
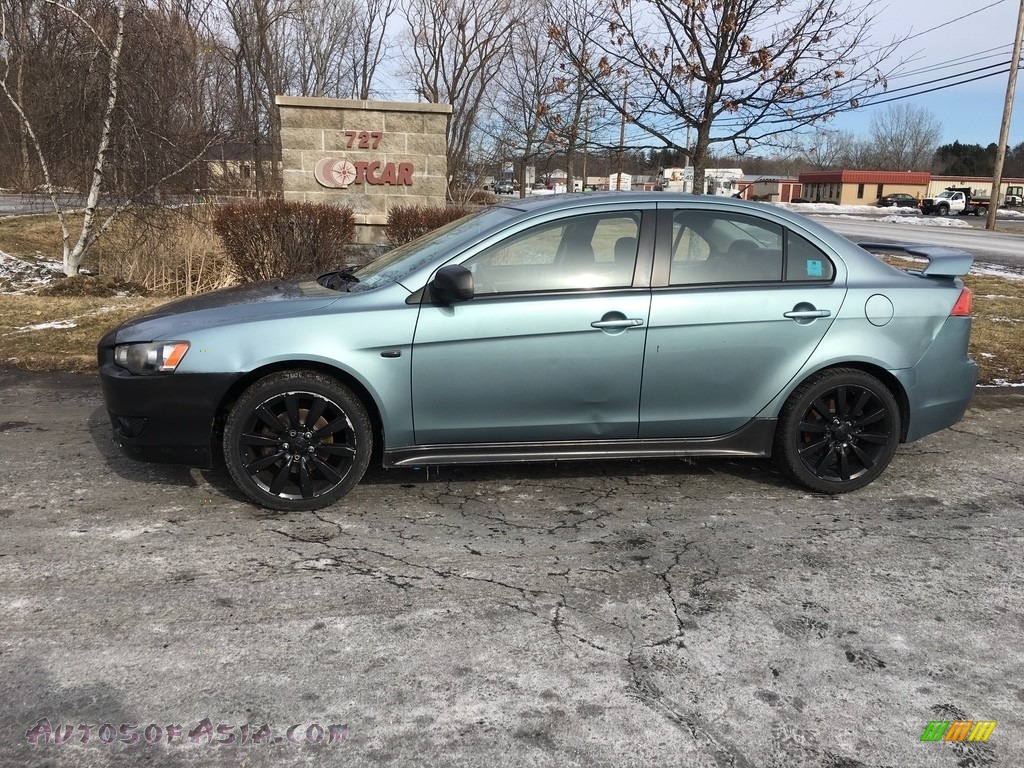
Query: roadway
<point x="1004" y="249"/>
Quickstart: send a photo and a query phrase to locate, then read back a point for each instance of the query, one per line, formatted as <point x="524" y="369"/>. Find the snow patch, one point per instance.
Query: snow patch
<point x="995" y="270"/>
<point x="18" y="276"/>
<point x="52" y="325"/>
<point x="926" y="221"/>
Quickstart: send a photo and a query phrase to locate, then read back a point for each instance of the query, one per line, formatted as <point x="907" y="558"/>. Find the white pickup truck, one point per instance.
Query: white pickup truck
<point x="955" y="200"/>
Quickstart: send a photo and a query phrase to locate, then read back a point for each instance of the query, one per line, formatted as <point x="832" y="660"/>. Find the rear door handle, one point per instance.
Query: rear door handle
<point x="626" y="322"/>
<point x="806" y="314"/>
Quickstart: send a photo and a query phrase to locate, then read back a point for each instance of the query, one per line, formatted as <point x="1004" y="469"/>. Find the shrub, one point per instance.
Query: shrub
<point x="275" y="238"/>
<point x="409" y="222"/>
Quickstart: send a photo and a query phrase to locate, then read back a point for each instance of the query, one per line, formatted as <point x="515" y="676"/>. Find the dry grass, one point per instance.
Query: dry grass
<point x="997" y="342"/>
<point x="69" y="348"/>
<point x="997" y="334"/>
<point x="37" y="236"/>
<point x="168" y="250"/>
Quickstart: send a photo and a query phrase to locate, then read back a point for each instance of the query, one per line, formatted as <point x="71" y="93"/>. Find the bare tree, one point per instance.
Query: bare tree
<point x="322" y="35"/>
<point x="860" y="154"/>
<point x="518" y="108"/>
<point x="905" y="137"/>
<point x="820" y="150"/>
<point x="574" y="110"/>
<point x="371" y="26"/>
<point x="259" y="55"/>
<point x="20" y="20"/>
<point x="458" y="48"/>
<point x="737" y="72"/>
<point x="99" y="36"/>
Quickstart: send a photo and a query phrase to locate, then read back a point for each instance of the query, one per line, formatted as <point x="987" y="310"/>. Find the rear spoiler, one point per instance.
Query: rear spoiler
<point x="942" y="261"/>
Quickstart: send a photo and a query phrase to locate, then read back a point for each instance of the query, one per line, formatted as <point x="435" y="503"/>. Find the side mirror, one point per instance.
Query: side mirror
<point x="451" y="284"/>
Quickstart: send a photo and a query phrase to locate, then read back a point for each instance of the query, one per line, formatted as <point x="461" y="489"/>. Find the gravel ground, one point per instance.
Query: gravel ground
<point x="692" y="613"/>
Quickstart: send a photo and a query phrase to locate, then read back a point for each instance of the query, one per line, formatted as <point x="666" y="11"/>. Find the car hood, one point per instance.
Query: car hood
<point x="271" y="298"/>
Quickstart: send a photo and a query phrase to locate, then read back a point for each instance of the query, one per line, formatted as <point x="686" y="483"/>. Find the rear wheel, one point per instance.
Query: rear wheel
<point x="297" y="440"/>
<point x="838" y="431"/>
<point x="981" y="210"/>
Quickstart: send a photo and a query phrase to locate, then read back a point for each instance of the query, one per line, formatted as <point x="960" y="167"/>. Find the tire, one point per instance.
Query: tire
<point x="838" y="431"/>
<point x="283" y="459"/>
<point x="942" y="210"/>
<point x="981" y="210"/>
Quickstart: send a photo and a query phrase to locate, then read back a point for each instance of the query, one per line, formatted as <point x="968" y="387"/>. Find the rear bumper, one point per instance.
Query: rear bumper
<point x="940" y="387"/>
<point x="164" y="418"/>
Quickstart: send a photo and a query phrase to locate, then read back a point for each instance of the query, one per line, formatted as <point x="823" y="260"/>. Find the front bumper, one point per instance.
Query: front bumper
<point x="163" y="417"/>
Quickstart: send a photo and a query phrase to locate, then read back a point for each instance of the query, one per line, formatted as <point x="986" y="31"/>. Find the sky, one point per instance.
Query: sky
<point x="933" y="34"/>
<point x="938" y="38"/>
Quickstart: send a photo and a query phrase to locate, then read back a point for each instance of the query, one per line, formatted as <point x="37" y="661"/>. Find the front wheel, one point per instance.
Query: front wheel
<point x="297" y="441"/>
<point x="942" y="210"/>
<point x="838" y="431"/>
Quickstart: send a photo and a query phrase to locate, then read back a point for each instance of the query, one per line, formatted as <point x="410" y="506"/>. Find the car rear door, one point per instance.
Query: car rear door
<point x="739" y="303"/>
<point x="551" y="345"/>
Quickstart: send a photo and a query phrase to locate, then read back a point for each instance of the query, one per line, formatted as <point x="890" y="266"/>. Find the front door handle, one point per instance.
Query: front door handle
<point x="626" y="322"/>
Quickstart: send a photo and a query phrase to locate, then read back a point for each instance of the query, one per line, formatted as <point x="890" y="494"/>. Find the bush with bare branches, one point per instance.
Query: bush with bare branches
<point x="407" y="223"/>
<point x="275" y="238"/>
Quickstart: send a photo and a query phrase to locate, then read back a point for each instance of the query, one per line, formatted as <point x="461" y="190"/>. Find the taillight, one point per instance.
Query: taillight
<point x="962" y="308"/>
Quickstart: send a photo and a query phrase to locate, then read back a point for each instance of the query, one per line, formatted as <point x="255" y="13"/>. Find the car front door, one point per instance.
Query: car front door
<point x="551" y="345"/>
<point x="739" y="304"/>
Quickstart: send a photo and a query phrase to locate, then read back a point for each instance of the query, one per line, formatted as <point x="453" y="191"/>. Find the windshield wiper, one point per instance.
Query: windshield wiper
<point x="340" y="278"/>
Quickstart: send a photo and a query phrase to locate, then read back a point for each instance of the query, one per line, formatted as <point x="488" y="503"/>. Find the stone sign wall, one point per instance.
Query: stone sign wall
<point x="370" y="155"/>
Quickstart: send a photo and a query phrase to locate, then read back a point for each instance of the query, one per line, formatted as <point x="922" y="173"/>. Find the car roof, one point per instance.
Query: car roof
<point x="568" y="201"/>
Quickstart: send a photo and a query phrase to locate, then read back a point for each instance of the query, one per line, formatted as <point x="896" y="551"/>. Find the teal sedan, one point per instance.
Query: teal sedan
<point x="619" y="325"/>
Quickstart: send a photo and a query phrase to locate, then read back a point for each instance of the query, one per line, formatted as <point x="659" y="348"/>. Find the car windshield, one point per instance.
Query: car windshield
<point x="395" y="265"/>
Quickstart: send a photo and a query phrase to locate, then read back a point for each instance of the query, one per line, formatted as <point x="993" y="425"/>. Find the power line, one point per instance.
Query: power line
<point x="990" y="53"/>
<point x="869" y="102"/>
<point x="929" y="90"/>
<point x="953" y="21"/>
<point x="951" y="77"/>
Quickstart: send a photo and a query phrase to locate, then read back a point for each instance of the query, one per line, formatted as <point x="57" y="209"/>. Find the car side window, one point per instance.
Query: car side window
<point x="805" y="261"/>
<point x="711" y="247"/>
<point x="576" y="253"/>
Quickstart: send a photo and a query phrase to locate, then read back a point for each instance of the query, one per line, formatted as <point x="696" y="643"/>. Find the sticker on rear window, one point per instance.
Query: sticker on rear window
<point x="814" y="268"/>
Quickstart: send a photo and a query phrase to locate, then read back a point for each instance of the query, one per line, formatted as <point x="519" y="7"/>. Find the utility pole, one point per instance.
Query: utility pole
<point x="586" y="143"/>
<point x="1004" y="129"/>
<point x="622" y="130"/>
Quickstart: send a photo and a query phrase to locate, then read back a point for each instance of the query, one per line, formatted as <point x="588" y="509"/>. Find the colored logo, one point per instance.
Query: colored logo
<point x="335" y="172"/>
<point x="958" y="730"/>
<point x="339" y="173"/>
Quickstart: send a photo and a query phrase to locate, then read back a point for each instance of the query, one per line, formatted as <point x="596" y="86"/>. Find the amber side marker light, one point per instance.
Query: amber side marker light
<point x="962" y="308"/>
<point x="174" y="352"/>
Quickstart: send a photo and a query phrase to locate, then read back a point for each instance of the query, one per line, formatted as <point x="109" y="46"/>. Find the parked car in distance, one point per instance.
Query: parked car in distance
<point x="505" y="187"/>
<point x="605" y="325"/>
<point x="899" y="200"/>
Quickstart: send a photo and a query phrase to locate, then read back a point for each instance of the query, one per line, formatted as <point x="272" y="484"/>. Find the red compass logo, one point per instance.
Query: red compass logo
<point x="335" y="172"/>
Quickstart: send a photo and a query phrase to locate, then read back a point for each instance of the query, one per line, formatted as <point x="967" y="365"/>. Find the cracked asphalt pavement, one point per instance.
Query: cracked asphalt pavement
<point x="663" y="613"/>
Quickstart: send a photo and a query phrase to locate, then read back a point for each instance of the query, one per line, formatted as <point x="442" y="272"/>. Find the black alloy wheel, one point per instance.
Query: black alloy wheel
<point x="297" y="440"/>
<point x="838" y="431"/>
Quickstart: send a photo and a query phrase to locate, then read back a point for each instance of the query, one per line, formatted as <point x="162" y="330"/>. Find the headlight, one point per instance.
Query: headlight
<point x="153" y="357"/>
